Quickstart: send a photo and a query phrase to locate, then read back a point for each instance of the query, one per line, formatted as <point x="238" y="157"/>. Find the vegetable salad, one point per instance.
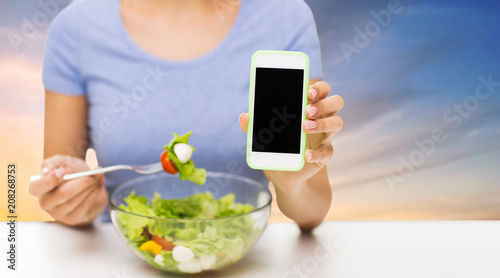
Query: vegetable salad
<point x="185" y="246"/>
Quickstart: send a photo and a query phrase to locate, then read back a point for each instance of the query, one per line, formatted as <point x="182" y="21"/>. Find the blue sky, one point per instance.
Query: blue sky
<point x="424" y="61"/>
<point x="396" y="90"/>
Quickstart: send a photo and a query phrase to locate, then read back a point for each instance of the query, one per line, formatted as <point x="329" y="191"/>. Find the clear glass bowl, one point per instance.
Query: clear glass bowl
<point x="216" y="243"/>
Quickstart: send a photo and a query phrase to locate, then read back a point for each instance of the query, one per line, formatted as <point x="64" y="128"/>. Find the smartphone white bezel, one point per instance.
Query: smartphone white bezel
<point x="273" y="160"/>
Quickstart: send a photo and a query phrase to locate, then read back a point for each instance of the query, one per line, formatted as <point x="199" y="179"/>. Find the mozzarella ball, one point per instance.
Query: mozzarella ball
<point x="206" y="262"/>
<point x="183" y="152"/>
<point x="159" y="259"/>
<point x="182" y="254"/>
<point x="191" y="266"/>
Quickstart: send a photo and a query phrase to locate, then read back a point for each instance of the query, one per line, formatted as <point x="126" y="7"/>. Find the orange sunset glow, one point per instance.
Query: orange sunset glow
<point x="407" y="83"/>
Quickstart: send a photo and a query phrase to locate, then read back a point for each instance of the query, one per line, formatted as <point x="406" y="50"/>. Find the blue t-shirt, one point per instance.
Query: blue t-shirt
<point x="136" y="100"/>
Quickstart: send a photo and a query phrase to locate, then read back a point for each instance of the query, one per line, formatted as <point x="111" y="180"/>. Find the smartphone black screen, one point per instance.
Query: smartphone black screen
<point x="277" y="110"/>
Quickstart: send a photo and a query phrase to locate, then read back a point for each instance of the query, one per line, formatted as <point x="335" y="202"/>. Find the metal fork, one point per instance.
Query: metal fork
<point x="141" y="169"/>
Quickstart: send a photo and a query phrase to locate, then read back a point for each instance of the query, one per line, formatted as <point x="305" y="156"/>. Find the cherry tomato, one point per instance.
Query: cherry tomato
<point x="165" y="244"/>
<point x="167" y="164"/>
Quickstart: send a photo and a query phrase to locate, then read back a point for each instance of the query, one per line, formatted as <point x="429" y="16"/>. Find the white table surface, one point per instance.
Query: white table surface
<point x="340" y="249"/>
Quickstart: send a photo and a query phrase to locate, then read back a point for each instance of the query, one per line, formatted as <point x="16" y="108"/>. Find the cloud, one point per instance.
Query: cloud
<point x="21" y="88"/>
<point x="396" y="91"/>
<point x="14" y="42"/>
<point x="373" y="149"/>
<point x="398" y="88"/>
<point x="478" y="206"/>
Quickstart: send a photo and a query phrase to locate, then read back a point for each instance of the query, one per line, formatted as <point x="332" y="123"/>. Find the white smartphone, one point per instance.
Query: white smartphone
<point x="278" y="97"/>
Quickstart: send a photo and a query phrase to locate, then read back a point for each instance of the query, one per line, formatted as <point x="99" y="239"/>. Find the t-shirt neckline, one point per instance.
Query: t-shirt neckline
<point x="149" y="56"/>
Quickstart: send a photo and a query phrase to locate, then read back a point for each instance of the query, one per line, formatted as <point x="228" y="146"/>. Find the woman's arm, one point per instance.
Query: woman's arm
<point x="65" y="125"/>
<point x="76" y="202"/>
<point x="306" y="203"/>
<point x="305" y="195"/>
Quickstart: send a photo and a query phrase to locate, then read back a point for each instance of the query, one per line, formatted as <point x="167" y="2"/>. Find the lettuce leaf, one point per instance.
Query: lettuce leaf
<point x="198" y="176"/>
<point x="178" y="139"/>
<point x="186" y="170"/>
<point x="134" y="224"/>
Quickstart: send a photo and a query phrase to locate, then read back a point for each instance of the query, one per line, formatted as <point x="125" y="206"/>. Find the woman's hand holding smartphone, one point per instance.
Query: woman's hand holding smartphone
<point x="287" y="115"/>
<point x="303" y="121"/>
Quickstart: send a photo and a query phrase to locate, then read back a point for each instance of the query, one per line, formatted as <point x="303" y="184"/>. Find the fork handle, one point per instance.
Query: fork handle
<point x="88" y="173"/>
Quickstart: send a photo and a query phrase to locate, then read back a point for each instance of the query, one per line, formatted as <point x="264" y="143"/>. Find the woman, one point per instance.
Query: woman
<point x="121" y="75"/>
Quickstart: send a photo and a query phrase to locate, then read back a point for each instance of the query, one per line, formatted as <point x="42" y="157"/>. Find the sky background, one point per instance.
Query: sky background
<point x="397" y="88"/>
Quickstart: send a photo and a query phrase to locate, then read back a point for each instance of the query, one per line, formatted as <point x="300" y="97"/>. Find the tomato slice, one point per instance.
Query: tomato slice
<point x="167" y="164"/>
<point x="165" y="244"/>
<point x="146" y="233"/>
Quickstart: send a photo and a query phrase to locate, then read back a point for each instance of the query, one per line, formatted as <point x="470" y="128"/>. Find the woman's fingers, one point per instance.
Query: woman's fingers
<point x="318" y="91"/>
<point x="320" y="155"/>
<point x="244" y="122"/>
<point x="67" y="191"/>
<point x="328" y="124"/>
<point x="70" y="163"/>
<point x="69" y="202"/>
<point x="83" y="213"/>
<point x="53" y="162"/>
<point x="327" y="106"/>
<point x="73" y="203"/>
<point x="53" y="169"/>
<point x="99" y="203"/>
<point x="47" y="182"/>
